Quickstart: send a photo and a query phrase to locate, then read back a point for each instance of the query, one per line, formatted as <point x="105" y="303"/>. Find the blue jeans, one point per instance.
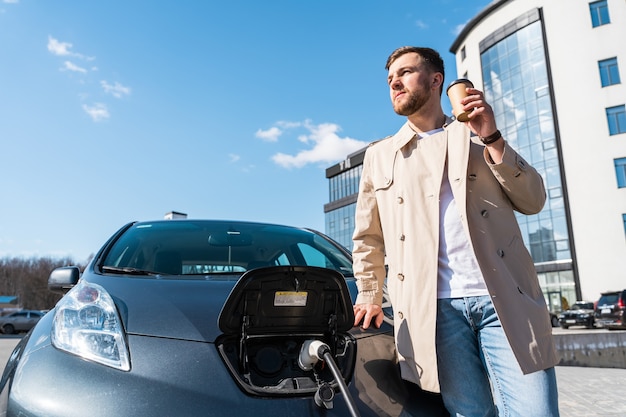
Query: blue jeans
<point x="478" y="372"/>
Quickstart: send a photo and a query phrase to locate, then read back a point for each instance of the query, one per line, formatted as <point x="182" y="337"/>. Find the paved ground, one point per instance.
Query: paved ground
<point x="583" y="392"/>
<point x="591" y="392"/>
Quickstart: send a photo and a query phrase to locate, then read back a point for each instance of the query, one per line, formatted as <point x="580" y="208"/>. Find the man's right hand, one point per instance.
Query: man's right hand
<point x="369" y="314"/>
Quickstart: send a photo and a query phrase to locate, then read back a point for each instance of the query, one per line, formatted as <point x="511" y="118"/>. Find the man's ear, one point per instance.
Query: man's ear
<point x="437" y="80"/>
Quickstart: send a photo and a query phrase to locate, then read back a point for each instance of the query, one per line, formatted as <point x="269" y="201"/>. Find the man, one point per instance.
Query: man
<point x="436" y="206"/>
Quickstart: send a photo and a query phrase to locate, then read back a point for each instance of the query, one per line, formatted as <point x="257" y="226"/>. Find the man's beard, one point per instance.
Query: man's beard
<point x="415" y="101"/>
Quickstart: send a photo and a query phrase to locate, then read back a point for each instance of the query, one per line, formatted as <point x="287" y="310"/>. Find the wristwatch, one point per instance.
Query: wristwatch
<point x="488" y="140"/>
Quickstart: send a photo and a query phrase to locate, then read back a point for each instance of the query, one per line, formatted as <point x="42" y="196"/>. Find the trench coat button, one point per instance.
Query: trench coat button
<point x="402" y="238"/>
<point x="401" y="276"/>
<point x="500" y="253"/>
<point x="400" y="200"/>
<point x="521" y="164"/>
<point x="400" y="315"/>
<point x="484" y="213"/>
<point x="517" y="174"/>
<point x="472" y="177"/>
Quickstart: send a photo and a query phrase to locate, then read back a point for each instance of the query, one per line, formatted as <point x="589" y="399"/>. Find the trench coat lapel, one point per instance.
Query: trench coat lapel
<point x="402" y="137"/>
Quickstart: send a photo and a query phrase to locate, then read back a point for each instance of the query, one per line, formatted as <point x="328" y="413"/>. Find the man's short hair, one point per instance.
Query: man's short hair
<point x="431" y="57"/>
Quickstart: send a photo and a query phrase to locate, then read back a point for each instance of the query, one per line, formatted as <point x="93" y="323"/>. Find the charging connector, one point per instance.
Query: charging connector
<point x="313" y="351"/>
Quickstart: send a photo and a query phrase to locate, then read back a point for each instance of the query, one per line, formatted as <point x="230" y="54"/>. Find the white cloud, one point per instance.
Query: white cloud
<point x="70" y="66"/>
<point x="117" y="90"/>
<point x="59" y="48"/>
<point x="11" y="1"/>
<point x="234" y="157"/>
<point x="459" y="28"/>
<point x="326" y="146"/>
<point x="269" y="135"/>
<point x="420" y="24"/>
<point x="97" y="112"/>
<point x="56" y="47"/>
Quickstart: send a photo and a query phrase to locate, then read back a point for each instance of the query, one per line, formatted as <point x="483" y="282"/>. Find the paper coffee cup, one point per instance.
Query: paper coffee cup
<point x="456" y="93"/>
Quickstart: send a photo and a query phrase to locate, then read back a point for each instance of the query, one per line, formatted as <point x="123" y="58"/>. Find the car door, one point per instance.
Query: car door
<point x="18" y="320"/>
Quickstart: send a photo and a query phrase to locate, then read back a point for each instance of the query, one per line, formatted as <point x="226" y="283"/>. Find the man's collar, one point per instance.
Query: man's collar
<point x="405" y="134"/>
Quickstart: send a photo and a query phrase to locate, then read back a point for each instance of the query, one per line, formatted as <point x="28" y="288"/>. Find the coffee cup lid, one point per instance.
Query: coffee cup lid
<point x="460" y="80"/>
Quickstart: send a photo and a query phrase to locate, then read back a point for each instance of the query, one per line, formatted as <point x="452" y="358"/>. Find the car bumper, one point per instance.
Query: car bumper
<point x="171" y="377"/>
<point x="610" y="323"/>
<point x="155" y="386"/>
<point x="576" y="321"/>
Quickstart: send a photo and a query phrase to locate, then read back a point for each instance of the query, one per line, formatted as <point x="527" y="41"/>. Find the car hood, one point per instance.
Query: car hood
<point x="579" y="311"/>
<point x="179" y="309"/>
<point x="187" y="309"/>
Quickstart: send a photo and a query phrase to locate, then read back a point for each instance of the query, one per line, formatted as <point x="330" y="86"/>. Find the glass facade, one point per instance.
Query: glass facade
<point x="340" y="225"/>
<point x="345" y="183"/>
<point x="516" y="84"/>
<point x="343" y="190"/>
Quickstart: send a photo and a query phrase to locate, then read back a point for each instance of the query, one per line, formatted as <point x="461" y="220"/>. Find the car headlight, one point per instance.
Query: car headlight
<point x="86" y="324"/>
<point x="584" y="316"/>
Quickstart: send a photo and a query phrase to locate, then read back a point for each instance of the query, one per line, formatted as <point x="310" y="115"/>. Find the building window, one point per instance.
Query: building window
<point x="616" y="117"/>
<point x="463" y="54"/>
<point x="599" y="13"/>
<point x="620" y="172"/>
<point x="624" y="219"/>
<point x="609" y="72"/>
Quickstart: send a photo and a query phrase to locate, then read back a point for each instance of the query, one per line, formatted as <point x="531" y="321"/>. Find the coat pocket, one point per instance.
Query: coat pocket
<point x="522" y="269"/>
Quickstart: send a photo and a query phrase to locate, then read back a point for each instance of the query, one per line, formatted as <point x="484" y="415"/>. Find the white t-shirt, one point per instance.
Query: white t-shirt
<point x="458" y="274"/>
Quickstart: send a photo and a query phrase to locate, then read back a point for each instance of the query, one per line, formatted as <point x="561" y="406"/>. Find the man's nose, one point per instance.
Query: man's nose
<point x="395" y="84"/>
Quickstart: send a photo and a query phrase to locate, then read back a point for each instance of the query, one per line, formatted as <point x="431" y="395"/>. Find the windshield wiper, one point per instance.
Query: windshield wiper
<point x="127" y="270"/>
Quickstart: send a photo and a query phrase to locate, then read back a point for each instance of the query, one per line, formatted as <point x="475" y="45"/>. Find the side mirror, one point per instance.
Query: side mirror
<point x="62" y="279"/>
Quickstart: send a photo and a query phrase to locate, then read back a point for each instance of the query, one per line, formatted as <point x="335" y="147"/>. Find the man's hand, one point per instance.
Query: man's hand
<point x="369" y="314"/>
<point x="482" y="120"/>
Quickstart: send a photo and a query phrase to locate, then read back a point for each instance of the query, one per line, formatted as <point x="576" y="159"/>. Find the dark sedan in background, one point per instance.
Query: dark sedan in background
<point x="581" y="313"/>
<point x="209" y="318"/>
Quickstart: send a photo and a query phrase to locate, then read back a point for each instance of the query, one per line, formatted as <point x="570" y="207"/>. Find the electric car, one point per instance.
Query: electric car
<point x="209" y="318"/>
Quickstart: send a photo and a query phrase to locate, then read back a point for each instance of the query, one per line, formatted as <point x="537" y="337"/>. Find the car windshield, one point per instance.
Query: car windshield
<point x="205" y="247"/>
<point x="608" y="299"/>
<point x="582" y="306"/>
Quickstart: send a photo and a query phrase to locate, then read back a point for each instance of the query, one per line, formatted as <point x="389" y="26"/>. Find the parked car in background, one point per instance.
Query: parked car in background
<point x="209" y="318"/>
<point x="610" y="310"/>
<point x="581" y="313"/>
<point x="20" y="321"/>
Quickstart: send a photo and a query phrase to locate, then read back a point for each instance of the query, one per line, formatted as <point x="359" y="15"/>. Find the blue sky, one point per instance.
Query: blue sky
<point x="114" y="111"/>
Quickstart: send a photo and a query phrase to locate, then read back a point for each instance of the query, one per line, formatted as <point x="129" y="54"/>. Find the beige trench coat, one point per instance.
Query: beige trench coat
<point x="397" y="216"/>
